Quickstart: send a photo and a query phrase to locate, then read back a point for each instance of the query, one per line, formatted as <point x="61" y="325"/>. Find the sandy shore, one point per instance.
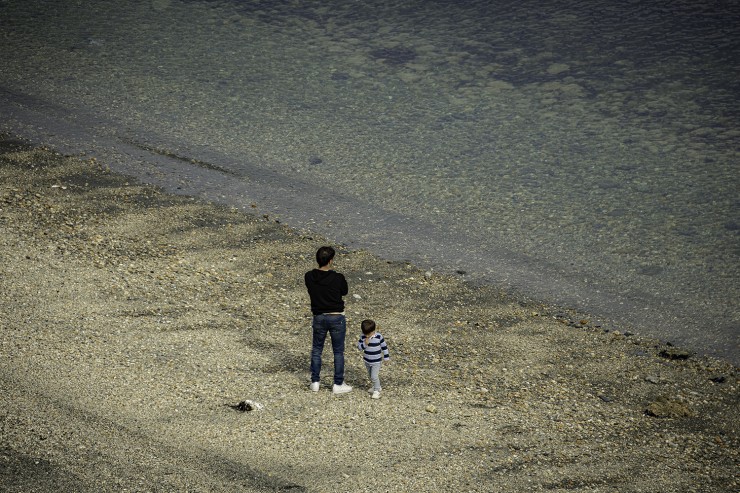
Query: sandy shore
<point x="132" y="321"/>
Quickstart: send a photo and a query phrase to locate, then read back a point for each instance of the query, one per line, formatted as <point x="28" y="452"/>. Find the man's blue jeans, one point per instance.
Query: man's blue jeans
<point x="336" y="327"/>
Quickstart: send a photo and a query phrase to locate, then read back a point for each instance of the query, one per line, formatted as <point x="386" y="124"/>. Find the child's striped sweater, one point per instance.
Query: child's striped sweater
<point x="375" y="350"/>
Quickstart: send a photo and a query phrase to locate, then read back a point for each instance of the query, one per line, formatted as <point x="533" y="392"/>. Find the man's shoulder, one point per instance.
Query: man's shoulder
<point x="318" y="275"/>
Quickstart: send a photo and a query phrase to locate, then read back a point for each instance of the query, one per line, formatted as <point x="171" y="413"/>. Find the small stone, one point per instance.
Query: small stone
<point x="666" y="407"/>
<point x="246" y="406"/>
<point x="652" y="379"/>
<point x="674" y="354"/>
<point x="431" y="408"/>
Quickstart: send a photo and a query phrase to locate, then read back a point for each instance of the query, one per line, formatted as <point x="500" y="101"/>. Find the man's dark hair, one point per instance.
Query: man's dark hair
<point x="368" y="326"/>
<point x="324" y="255"/>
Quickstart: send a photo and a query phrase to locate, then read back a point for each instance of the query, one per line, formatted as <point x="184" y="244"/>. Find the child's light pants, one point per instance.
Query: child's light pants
<point x="373" y="371"/>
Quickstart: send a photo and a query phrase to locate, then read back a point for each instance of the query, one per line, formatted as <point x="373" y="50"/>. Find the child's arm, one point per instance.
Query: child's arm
<point x="384" y="347"/>
<point x="360" y="345"/>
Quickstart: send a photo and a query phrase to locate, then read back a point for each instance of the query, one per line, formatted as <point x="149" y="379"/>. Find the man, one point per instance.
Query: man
<point x="326" y="289"/>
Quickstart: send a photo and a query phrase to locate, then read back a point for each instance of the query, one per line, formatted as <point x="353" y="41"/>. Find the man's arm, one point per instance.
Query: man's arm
<point x="344" y="288"/>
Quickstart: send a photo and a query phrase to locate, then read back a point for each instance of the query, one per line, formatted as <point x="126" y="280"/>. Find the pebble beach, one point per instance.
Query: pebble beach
<point x="133" y="324"/>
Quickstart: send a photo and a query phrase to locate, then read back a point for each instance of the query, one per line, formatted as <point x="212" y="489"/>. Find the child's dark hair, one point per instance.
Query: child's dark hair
<point x="324" y="255"/>
<point x="368" y="326"/>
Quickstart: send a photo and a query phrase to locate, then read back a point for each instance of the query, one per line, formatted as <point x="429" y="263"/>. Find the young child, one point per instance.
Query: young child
<point x="375" y="351"/>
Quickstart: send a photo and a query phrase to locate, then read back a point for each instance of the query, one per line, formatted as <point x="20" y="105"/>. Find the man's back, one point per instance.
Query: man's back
<point x="326" y="289"/>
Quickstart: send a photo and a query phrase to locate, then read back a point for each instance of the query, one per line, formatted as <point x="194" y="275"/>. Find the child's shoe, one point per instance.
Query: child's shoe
<point x="376" y="394"/>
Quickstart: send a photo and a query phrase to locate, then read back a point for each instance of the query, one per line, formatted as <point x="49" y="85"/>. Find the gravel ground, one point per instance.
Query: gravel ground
<point x="132" y="323"/>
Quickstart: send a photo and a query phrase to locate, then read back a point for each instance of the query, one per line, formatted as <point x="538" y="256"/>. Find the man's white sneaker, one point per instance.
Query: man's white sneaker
<point x="315" y="386"/>
<point x="376" y="395"/>
<point x="341" y="389"/>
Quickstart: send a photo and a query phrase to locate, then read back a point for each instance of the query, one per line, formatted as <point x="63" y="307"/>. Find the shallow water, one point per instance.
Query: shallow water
<point x="583" y="153"/>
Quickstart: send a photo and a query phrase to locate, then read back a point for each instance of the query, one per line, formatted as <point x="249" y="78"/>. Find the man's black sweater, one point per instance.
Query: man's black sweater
<point x="326" y="288"/>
